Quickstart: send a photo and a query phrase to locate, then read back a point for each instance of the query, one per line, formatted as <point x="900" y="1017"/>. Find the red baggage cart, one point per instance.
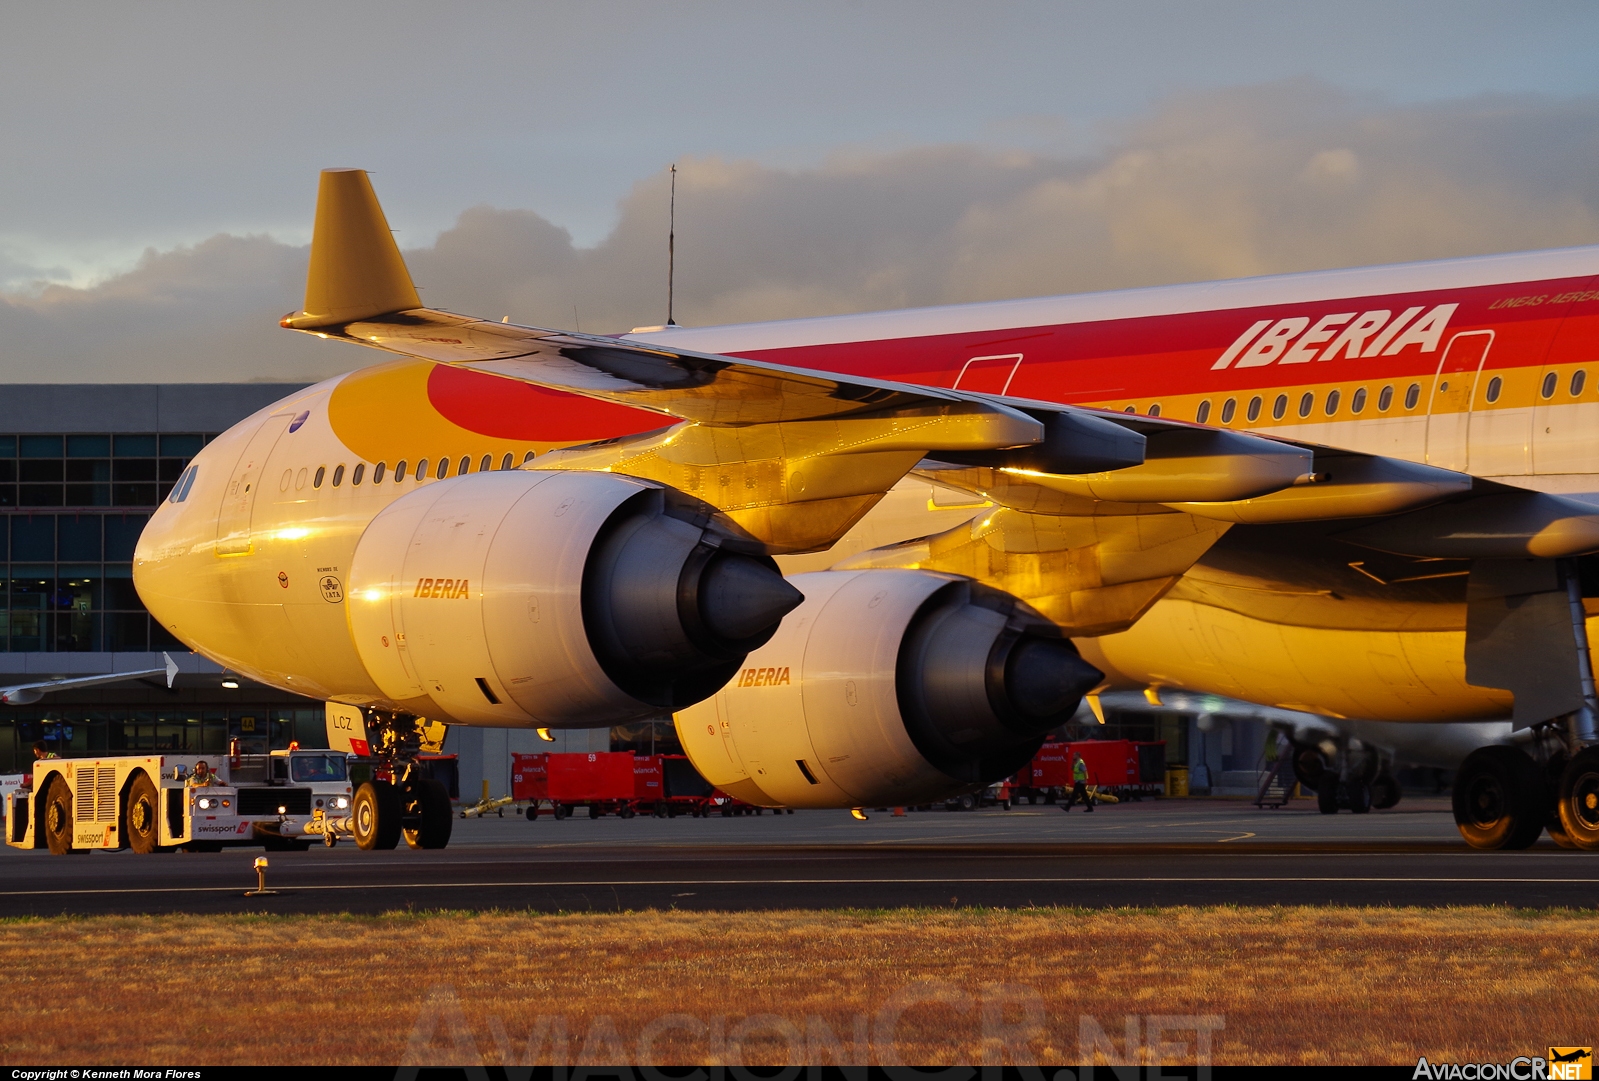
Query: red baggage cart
<point x="1047" y="777"/>
<point x="602" y="781"/>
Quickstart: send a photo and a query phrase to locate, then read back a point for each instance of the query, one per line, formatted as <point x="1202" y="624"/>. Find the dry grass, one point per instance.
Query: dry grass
<point x="1291" y="985"/>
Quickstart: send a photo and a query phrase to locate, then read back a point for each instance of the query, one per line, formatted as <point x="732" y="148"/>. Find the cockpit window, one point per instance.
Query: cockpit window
<point x="317" y="767"/>
<point x="180" y="490"/>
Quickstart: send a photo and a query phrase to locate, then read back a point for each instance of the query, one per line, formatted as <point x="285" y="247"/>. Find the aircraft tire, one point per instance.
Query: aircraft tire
<point x="1500" y="799"/>
<point x="375" y="816"/>
<point x="1577" y="803"/>
<point x="430" y="802"/>
<point x="1327" y="794"/>
<point x="1358" y="794"/>
<point x="1385" y="792"/>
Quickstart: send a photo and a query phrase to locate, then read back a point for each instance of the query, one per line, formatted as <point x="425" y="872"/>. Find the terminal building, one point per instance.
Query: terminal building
<point x="83" y="466"/>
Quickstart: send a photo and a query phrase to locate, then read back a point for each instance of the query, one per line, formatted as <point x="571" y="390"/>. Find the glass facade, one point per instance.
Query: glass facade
<point x="74" y="732"/>
<point x="66" y="574"/>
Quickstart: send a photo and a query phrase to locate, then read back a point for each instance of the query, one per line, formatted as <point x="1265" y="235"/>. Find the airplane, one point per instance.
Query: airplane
<point x="26" y="694"/>
<point x="871" y="560"/>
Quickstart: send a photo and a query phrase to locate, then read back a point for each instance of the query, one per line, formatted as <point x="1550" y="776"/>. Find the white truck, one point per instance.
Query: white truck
<point x="150" y="803"/>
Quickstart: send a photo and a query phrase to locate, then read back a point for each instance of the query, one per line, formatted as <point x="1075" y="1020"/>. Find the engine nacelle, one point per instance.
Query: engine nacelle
<point x="555" y="599"/>
<point x="887" y="687"/>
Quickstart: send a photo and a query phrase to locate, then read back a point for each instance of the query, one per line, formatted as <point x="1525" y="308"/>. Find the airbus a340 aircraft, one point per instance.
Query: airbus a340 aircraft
<point x="1354" y="493"/>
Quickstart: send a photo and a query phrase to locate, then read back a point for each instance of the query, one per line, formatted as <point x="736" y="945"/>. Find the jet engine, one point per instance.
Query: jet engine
<point x="887" y="687"/>
<point x="556" y="599"/>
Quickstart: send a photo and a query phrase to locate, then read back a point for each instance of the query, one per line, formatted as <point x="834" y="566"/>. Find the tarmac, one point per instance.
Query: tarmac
<point x="1149" y="853"/>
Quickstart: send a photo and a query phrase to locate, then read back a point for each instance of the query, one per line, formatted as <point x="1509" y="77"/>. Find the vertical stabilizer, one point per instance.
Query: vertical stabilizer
<point x="356" y="270"/>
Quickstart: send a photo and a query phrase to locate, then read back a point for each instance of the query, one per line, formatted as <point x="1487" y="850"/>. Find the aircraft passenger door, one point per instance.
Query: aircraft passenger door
<point x="238" y="499"/>
<point x="1454" y="393"/>
<point x="989" y="375"/>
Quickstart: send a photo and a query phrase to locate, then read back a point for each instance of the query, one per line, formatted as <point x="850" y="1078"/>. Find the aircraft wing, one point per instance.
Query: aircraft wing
<point x="795" y="456"/>
<point x="25" y="694"/>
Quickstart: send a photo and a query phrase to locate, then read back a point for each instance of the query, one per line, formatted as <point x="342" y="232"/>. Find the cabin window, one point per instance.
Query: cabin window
<point x="1549" y="383"/>
<point x="505" y="462"/>
<point x="1384" y="399"/>
<point x="360" y="471"/>
<point x="1412" y="395"/>
<point x="1202" y="414"/>
<point x="1279" y="407"/>
<point x="288" y="477"/>
<point x="338" y="475"/>
<point x="1228" y="408"/>
<point x="422" y="469"/>
<point x="377" y="472"/>
<point x="1357" y="404"/>
<point x="1332" y="402"/>
<point x="528" y="457"/>
<point x="1495" y="385"/>
<point x="466" y="465"/>
<point x="1578" y="378"/>
<point x="1253" y="412"/>
<point x="444" y="468"/>
<point x="321" y="471"/>
<point x="486" y="464"/>
<point x="1154" y="410"/>
<point x="399" y="470"/>
<point x="1307" y="402"/>
<point x="1130" y="409"/>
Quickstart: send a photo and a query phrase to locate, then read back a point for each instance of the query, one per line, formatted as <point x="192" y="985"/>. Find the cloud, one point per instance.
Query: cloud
<point x="1292" y="176"/>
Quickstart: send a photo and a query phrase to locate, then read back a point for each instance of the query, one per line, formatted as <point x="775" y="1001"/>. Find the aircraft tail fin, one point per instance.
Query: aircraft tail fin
<point x="356" y="269"/>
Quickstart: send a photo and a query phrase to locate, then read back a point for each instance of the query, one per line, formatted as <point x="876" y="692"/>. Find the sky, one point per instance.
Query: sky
<point x="159" y="169"/>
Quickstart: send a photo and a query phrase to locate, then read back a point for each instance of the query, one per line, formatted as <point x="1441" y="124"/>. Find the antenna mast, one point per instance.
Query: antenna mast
<point x="671" y="248"/>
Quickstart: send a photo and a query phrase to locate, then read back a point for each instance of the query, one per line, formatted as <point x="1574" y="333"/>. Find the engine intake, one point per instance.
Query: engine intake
<point x="562" y="599"/>
<point x="887" y="687"/>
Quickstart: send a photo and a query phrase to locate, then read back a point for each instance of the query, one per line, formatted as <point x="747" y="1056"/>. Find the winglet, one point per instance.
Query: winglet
<point x="356" y="270"/>
<point x="172" y="668"/>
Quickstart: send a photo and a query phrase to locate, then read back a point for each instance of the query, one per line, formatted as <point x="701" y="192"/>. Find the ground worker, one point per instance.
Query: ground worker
<point x="202" y="777"/>
<point x="1080" y="786"/>
<point x="40" y="752"/>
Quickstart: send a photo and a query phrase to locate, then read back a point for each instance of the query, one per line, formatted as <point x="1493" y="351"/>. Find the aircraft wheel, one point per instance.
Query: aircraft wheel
<point x="532" y="814"/>
<point x="57" y="817"/>
<point x="1358" y="794"/>
<point x="375" y="816"/>
<point x="1500" y="799"/>
<point x="1327" y="793"/>
<point x="429" y="801"/>
<point x="143" y="816"/>
<point x="1309" y="766"/>
<point x="1578" y="802"/>
<point x="1385" y="792"/>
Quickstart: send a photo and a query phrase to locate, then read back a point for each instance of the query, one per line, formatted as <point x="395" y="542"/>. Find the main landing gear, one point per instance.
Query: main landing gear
<point x="399" y="801"/>
<point x="1504" y="798"/>
<point x="1347" y="776"/>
